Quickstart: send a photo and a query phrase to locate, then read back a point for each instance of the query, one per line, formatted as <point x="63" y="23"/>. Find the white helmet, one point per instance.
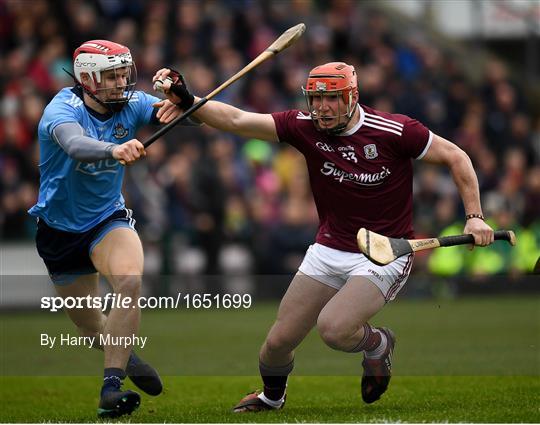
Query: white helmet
<point x="96" y="56"/>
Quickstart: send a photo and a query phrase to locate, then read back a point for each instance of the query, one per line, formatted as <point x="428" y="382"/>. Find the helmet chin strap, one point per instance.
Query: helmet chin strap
<point x="112" y="106"/>
<point x="338" y="129"/>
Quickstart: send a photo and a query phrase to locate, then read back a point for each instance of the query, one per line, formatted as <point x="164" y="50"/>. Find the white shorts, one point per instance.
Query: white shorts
<point x="334" y="268"/>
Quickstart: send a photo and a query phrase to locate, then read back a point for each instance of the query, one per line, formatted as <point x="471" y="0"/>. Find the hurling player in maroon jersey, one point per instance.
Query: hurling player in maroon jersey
<point x="360" y="168"/>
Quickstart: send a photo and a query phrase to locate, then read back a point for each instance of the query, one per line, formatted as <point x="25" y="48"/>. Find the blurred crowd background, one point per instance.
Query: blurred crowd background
<point x="208" y="202"/>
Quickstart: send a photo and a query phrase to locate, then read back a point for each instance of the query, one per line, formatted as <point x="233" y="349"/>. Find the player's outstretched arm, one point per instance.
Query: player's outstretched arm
<point x="445" y="152"/>
<point x="216" y="114"/>
<point x="234" y="120"/>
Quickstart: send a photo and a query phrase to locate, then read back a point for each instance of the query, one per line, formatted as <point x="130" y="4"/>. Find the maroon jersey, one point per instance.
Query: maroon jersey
<point x="361" y="178"/>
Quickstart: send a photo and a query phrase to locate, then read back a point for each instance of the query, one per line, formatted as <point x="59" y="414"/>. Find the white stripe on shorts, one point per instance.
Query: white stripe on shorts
<point x="129" y="217"/>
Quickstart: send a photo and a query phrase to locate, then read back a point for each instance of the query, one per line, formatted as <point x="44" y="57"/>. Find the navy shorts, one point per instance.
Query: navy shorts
<point x="67" y="254"/>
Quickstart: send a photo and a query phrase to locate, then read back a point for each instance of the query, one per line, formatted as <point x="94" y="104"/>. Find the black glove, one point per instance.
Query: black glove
<point x="179" y="88"/>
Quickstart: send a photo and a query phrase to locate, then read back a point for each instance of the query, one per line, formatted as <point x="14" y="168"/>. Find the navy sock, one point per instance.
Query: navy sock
<point x="275" y="379"/>
<point x="112" y="379"/>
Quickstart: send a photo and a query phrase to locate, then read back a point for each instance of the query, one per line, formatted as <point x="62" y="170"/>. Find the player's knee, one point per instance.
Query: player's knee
<point x="278" y="343"/>
<point x="334" y="334"/>
<point x="127" y="269"/>
<point x="129" y="285"/>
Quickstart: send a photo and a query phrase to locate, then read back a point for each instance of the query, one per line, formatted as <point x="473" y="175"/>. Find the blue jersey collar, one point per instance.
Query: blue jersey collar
<point x="102" y="117"/>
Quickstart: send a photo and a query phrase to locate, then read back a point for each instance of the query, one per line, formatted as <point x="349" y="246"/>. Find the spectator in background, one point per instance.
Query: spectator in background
<point x="211" y="40"/>
<point x="208" y="201"/>
<point x="447" y="262"/>
<point x="531" y="209"/>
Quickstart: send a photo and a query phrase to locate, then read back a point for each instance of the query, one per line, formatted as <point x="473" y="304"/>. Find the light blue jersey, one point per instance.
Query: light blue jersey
<point x="75" y="196"/>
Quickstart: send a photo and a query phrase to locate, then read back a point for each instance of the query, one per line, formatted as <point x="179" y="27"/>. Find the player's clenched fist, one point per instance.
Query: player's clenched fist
<point x="129" y="152"/>
<point x="173" y="85"/>
<point x="482" y="232"/>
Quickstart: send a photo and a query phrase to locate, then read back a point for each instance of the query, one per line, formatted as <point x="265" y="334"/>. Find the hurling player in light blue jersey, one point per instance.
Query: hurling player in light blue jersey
<point x="85" y="135"/>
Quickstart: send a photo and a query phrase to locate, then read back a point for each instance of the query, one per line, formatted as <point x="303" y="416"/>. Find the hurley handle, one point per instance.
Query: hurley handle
<point x="173" y="123"/>
<point x="502" y="235"/>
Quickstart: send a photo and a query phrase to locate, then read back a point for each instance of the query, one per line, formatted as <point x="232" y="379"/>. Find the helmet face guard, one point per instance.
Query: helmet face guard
<point x="117" y="96"/>
<point x="109" y="71"/>
<point x="328" y="83"/>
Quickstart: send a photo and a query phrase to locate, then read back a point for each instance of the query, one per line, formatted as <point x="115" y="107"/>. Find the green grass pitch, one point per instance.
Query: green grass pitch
<point x="469" y="360"/>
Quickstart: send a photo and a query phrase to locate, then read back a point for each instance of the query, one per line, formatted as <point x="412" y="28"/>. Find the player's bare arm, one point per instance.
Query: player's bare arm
<point x="246" y="124"/>
<point x="220" y="115"/>
<point x="445" y="152"/>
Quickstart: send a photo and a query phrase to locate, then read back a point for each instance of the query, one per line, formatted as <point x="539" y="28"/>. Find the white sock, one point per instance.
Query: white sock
<point x="276" y="404"/>
<point x="379" y="351"/>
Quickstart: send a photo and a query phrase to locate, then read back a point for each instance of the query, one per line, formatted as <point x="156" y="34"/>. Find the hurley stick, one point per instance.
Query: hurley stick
<point x="383" y="250"/>
<point x="284" y="41"/>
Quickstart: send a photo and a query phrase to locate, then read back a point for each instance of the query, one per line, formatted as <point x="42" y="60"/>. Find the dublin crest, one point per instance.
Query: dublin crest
<point x="120" y="131"/>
